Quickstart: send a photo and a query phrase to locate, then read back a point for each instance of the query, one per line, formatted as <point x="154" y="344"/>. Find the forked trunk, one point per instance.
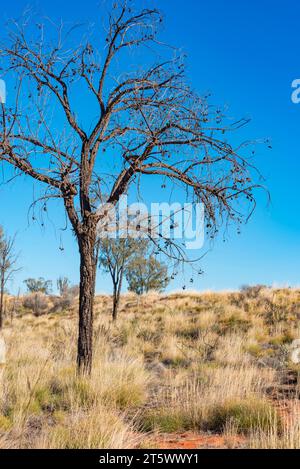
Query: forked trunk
<point x="86" y="302"/>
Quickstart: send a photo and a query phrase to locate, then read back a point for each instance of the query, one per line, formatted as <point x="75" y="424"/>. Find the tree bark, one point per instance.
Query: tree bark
<point x="116" y="296"/>
<point x="115" y="303"/>
<point x="86" y="301"/>
<point x="116" y="300"/>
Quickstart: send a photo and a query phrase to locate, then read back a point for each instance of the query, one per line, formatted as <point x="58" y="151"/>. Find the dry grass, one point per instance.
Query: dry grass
<point x="200" y="362"/>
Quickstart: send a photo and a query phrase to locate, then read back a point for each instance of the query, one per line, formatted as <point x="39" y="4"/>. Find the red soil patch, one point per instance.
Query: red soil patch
<point x="190" y="440"/>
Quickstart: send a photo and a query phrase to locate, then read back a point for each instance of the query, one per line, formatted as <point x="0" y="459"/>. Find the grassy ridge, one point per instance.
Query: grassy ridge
<point x="199" y="362"/>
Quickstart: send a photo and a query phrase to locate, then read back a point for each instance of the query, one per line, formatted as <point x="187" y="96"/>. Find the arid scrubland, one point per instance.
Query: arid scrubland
<point x="206" y="363"/>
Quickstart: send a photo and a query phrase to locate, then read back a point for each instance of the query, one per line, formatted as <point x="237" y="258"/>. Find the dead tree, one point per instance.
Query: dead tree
<point x="133" y="121"/>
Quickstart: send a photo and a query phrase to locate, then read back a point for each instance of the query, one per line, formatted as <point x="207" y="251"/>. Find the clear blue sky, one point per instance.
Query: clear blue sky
<point x="245" y="53"/>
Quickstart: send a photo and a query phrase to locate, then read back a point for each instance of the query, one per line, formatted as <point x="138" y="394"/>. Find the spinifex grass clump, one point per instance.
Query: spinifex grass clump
<point x="244" y="415"/>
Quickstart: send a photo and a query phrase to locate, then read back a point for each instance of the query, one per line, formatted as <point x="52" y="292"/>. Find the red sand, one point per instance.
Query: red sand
<point x="190" y="440"/>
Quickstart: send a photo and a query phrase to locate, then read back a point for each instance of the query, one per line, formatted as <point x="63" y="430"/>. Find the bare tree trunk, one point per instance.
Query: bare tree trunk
<point x="115" y="303"/>
<point x="116" y="296"/>
<point x="86" y="302"/>
<point x="116" y="300"/>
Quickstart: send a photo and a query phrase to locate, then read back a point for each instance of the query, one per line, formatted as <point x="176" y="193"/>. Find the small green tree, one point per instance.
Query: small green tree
<point x="115" y="257"/>
<point x="144" y="274"/>
<point x="38" y="285"/>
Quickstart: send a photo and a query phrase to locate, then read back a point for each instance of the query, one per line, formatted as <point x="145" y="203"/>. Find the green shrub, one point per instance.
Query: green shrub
<point x="259" y="351"/>
<point x="125" y="395"/>
<point x="51" y="398"/>
<point x="283" y="339"/>
<point x="243" y="415"/>
<point x="233" y="324"/>
<point x="165" y="421"/>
